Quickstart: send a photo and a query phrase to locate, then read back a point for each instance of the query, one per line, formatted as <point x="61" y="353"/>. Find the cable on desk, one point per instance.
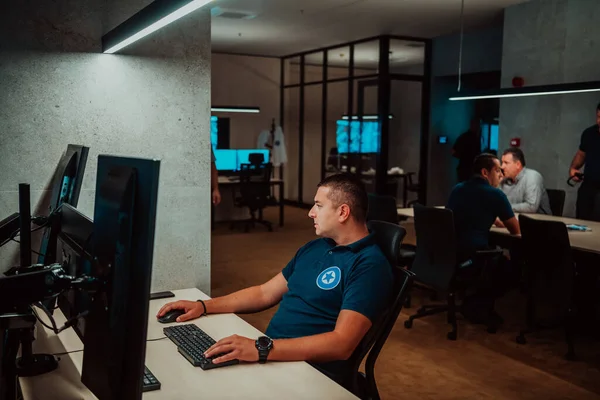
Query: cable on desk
<point x="154" y="340"/>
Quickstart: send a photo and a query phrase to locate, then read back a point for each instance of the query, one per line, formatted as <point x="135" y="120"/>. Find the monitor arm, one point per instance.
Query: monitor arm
<point x="18" y="292"/>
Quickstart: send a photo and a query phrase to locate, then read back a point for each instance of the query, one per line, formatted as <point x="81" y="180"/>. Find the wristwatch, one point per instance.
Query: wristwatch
<point x="263" y="344"/>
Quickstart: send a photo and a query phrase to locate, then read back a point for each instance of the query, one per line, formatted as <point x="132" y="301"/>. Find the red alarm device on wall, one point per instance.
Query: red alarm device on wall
<point x="515" y="142"/>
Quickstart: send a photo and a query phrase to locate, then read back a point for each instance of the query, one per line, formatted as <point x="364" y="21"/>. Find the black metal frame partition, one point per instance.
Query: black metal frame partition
<point x="383" y="80"/>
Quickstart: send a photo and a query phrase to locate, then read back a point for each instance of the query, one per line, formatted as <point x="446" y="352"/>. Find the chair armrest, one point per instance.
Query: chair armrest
<point x="488" y="253"/>
<point x="481" y="255"/>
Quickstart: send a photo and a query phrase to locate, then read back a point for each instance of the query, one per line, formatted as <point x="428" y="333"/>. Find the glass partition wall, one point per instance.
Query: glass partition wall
<point x="360" y="107"/>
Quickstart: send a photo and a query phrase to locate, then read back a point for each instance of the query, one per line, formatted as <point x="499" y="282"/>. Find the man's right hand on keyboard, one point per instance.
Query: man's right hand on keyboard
<point x="193" y="309"/>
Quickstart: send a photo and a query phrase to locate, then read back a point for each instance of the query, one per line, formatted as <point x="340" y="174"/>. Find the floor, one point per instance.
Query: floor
<point x="420" y="362"/>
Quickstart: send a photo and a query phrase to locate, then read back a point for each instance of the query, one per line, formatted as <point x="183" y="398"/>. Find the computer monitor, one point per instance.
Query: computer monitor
<point x="226" y="160"/>
<point x="244" y="156"/>
<point x="122" y="245"/>
<point x="66" y="188"/>
<point x="357" y="136"/>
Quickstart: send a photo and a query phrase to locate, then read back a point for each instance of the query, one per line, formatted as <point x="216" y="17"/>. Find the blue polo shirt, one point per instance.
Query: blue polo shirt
<point x="324" y="279"/>
<point x="476" y="204"/>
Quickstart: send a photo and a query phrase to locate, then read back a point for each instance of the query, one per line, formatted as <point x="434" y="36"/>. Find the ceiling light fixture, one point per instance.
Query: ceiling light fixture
<point x="156" y="15"/>
<point x="249" y="110"/>
<point x="542" y="90"/>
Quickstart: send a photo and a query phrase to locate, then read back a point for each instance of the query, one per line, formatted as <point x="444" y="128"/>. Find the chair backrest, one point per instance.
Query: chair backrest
<point x="255" y="188"/>
<point x="548" y="258"/>
<point x="557" y="201"/>
<point x="256" y="158"/>
<point x="389" y="238"/>
<point x="382" y="208"/>
<point x="436" y="254"/>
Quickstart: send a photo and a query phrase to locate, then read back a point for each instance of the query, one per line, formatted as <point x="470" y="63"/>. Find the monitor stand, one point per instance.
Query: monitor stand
<point x="16" y="329"/>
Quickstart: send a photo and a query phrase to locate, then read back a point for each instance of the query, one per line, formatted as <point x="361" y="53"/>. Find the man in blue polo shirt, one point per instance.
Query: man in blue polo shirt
<point x="477" y="204"/>
<point x="329" y="294"/>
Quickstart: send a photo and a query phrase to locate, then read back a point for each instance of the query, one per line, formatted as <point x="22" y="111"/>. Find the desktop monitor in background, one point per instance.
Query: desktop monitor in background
<point x="123" y="243"/>
<point x="226" y="160"/>
<point x="244" y="156"/>
<point x="66" y="188"/>
<point x="357" y="136"/>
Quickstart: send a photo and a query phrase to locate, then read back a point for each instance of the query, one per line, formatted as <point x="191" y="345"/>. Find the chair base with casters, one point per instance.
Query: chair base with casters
<point x="457" y="289"/>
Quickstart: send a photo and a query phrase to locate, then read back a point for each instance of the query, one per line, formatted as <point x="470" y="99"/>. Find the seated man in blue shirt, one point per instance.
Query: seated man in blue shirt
<point x="329" y="294"/>
<point x="476" y="204"/>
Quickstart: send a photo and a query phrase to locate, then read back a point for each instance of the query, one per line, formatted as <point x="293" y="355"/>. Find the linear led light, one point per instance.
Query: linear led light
<point x="366" y="117"/>
<point x="249" y="110"/>
<point x="544" y="90"/>
<point x="156" y="15"/>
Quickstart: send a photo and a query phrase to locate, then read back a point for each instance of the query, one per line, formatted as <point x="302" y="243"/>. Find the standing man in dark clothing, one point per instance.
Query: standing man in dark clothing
<point x="588" y="196"/>
<point x="466" y="148"/>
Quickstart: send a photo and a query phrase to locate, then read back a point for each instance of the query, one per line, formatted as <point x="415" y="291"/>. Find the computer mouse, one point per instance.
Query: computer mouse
<point x="170" y="316"/>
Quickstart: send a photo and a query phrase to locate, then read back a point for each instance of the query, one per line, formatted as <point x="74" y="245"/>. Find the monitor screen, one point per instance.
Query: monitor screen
<point x="226" y="160"/>
<point x="350" y="138"/>
<point x="244" y="155"/>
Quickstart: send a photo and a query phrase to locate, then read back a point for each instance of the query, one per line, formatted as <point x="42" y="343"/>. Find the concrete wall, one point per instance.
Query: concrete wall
<point x="545" y="42"/>
<point x="151" y="101"/>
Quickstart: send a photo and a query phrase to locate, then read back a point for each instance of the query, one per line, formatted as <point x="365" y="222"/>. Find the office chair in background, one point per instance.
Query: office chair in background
<point x="436" y="263"/>
<point x="254" y="193"/>
<point x="550" y="276"/>
<point x="384" y="208"/>
<point x="389" y="238"/>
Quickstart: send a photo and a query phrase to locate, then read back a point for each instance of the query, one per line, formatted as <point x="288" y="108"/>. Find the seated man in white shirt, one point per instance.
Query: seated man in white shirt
<point x="524" y="187"/>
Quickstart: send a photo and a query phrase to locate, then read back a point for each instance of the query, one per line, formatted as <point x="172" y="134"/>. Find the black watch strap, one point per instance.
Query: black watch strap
<point x="262" y="356"/>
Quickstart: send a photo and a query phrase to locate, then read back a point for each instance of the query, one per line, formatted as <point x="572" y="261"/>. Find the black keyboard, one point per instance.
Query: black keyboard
<point x="149" y="382"/>
<point x="192" y="342"/>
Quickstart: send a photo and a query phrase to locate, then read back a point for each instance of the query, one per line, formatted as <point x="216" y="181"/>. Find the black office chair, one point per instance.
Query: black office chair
<point x="436" y="263"/>
<point x="550" y="273"/>
<point x="254" y="193"/>
<point x="256" y="158"/>
<point x="557" y="201"/>
<point x="389" y="237"/>
<point x="384" y="208"/>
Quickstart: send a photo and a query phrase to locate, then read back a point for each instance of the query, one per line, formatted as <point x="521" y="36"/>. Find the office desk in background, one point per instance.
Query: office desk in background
<point x="582" y="241"/>
<point x="227" y="208"/>
<point x="179" y="379"/>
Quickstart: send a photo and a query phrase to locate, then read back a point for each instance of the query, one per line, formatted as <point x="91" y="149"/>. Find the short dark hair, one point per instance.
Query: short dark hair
<point x="598" y="107"/>
<point x="517" y="154"/>
<point x="348" y="189"/>
<point x="485" y="161"/>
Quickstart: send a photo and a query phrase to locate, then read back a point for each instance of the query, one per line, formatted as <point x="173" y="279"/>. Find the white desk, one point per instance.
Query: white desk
<point x="585" y="241"/>
<point x="179" y="379"/>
